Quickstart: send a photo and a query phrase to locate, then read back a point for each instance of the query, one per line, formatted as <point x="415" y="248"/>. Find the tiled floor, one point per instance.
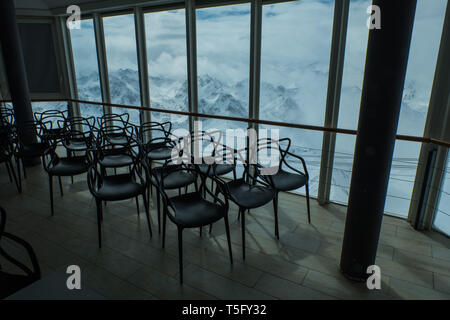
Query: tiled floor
<point x="303" y="264"/>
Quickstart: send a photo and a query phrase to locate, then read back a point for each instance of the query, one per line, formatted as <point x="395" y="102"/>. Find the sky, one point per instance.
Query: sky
<point x="296" y="41"/>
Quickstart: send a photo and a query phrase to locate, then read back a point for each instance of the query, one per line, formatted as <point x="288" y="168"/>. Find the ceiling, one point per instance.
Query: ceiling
<point x="48" y="4"/>
<point x="59" y="7"/>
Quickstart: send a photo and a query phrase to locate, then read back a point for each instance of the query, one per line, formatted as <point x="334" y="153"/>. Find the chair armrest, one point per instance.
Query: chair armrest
<point x="31" y="254"/>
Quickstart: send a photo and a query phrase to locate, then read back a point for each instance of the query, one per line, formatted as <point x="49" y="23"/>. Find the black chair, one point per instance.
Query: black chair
<point x="112" y="154"/>
<point x="11" y="282"/>
<point x="170" y="176"/>
<point x="115" y="128"/>
<point x="157" y="142"/>
<point x="219" y="153"/>
<point x="194" y="210"/>
<point x="285" y="180"/>
<point x="50" y="120"/>
<point x="69" y="166"/>
<point x="76" y="130"/>
<point x="250" y="191"/>
<point x="27" y="150"/>
<point x="7" y="153"/>
<point x="118" y="187"/>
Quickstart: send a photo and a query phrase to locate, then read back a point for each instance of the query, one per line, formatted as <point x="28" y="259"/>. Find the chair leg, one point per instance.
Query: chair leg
<point x="275" y="211"/>
<point x="227" y="229"/>
<point x="210" y="228"/>
<point x="9" y="163"/>
<point x="60" y="186"/>
<point x="241" y="210"/>
<point x="147" y="213"/>
<point x="201" y="231"/>
<point x="9" y="172"/>
<point x="50" y="181"/>
<point x="99" y="222"/>
<point x="19" y="175"/>
<point x="307" y="203"/>
<point x="24" y="171"/>
<point x="158" y="209"/>
<point x="137" y="205"/>
<point x="180" y="252"/>
<point x="164" y="229"/>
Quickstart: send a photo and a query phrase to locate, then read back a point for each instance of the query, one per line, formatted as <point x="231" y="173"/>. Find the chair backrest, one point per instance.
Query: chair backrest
<point x="52" y="116"/>
<point x="95" y="175"/>
<point x="150" y="131"/>
<point x="113" y="119"/>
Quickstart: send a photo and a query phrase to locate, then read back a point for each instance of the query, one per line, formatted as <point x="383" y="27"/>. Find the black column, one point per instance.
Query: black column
<point x="384" y="77"/>
<point x="15" y="67"/>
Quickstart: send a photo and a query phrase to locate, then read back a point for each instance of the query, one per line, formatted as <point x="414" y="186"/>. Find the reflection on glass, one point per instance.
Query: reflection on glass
<point x="121" y="54"/>
<point x="86" y="68"/>
<point x="167" y="65"/>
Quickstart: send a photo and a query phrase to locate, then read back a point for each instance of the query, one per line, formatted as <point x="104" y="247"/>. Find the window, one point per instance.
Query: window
<point x="419" y="79"/>
<point x="86" y="68"/>
<point x="442" y="217"/>
<point x="354" y="62"/>
<point x="167" y="65"/>
<point x="121" y="54"/>
<point x="295" y="59"/>
<point x="423" y="54"/>
<point x="223" y="62"/>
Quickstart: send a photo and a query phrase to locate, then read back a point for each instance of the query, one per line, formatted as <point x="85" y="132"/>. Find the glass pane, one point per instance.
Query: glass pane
<point x="86" y="68"/>
<point x="295" y="59"/>
<point x="401" y="180"/>
<point x="423" y="54"/>
<point x="121" y="54"/>
<point x="419" y="79"/>
<point x="167" y="65"/>
<point x="442" y="218"/>
<point x="223" y="53"/>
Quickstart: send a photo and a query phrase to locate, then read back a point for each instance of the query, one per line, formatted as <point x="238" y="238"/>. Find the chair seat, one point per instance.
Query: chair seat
<point x="76" y="145"/>
<point x="119" y="187"/>
<point x="219" y="170"/>
<point x="116" y="160"/>
<point x="287" y="181"/>
<point x="174" y="180"/>
<point x="161" y="153"/>
<point x="192" y="211"/>
<point x="248" y="196"/>
<point x="55" y="133"/>
<point x="69" y="166"/>
<point x="117" y="139"/>
<point x="11" y="283"/>
<point x="32" y="150"/>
